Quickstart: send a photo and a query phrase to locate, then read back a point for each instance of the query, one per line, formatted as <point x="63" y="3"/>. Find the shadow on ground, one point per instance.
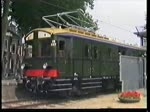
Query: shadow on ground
<point x="54" y="98"/>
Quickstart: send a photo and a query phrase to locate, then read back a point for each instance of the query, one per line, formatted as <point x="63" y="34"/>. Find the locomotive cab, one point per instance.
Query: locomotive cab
<point x="40" y="54"/>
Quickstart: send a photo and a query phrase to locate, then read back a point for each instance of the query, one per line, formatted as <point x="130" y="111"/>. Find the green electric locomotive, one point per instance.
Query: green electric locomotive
<point x="72" y="59"/>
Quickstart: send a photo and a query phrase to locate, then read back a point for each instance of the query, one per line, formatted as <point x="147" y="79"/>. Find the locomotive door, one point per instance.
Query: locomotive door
<point x="94" y="61"/>
<point x="64" y="54"/>
<point x="77" y="56"/>
<point x="87" y="59"/>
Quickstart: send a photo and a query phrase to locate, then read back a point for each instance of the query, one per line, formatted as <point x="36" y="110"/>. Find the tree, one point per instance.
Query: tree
<point x="28" y="14"/>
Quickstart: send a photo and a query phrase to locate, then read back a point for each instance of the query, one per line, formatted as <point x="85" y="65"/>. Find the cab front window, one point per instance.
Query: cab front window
<point x="46" y="48"/>
<point x="40" y="44"/>
<point x="40" y="48"/>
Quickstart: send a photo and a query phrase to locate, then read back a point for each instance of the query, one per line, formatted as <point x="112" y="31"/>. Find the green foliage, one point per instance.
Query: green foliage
<point x="28" y="13"/>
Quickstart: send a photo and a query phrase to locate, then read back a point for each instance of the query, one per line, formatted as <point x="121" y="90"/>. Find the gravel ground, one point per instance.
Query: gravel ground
<point x="94" y="102"/>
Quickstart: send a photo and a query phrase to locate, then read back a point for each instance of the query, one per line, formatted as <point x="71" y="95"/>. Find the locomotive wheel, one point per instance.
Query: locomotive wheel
<point x="31" y="86"/>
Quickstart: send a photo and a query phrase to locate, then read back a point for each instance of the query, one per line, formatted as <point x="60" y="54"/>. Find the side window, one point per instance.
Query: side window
<point x="87" y="50"/>
<point x="18" y="64"/>
<point x="95" y="52"/>
<point x="45" y="47"/>
<point x="61" y="48"/>
<point x="12" y="65"/>
<point x="61" y="45"/>
<point x="123" y="52"/>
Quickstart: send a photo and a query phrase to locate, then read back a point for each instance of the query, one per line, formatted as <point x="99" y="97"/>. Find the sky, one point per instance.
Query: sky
<point x="117" y="19"/>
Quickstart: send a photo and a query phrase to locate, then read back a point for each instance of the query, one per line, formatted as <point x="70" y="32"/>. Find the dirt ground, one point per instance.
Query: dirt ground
<point x="100" y="101"/>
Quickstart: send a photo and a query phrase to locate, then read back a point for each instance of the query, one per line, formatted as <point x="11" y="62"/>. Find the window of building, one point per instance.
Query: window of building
<point x="6" y="44"/>
<point x="10" y="64"/>
<point x="13" y="48"/>
<point x="19" y="51"/>
<point x="23" y="50"/>
<point x="18" y="64"/>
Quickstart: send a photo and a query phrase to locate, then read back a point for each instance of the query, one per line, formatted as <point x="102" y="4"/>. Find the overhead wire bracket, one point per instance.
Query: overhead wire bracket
<point x="73" y="19"/>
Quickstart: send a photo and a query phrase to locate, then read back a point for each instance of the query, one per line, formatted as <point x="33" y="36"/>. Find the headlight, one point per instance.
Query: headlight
<point x="45" y="65"/>
<point x="75" y="74"/>
<point x="22" y="66"/>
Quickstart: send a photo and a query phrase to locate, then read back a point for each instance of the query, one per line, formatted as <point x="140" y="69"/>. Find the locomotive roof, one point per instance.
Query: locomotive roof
<point x="84" y="34"/>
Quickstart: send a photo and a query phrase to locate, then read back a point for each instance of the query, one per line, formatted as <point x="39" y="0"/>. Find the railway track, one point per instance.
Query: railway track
<point x="23" y="104"/>
<point x="42" y="101"/>
<point x="33" y="102"/>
